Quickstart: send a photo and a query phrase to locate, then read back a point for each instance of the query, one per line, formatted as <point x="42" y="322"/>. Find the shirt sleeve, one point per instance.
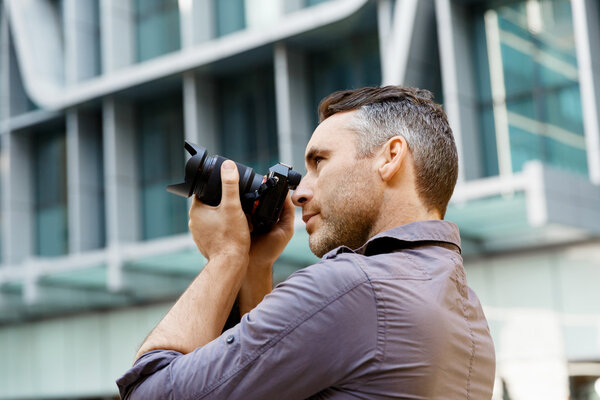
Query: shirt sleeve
<point x="311" y="332"/>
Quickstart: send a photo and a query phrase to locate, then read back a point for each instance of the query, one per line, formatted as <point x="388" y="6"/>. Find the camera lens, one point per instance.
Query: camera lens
<point x="208" y="185"/>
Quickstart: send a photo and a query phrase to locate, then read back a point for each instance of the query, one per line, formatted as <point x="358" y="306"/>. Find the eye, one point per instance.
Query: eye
<point x="317" y="160"/>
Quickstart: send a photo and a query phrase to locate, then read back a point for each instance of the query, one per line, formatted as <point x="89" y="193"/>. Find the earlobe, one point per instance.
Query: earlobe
<point x="394" y="152"/>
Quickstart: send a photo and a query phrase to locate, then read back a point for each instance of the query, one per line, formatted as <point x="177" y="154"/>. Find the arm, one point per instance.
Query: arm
<point x="305" y="336"/>
<point x="265" y="249"/>
<point x="222" y="235"/>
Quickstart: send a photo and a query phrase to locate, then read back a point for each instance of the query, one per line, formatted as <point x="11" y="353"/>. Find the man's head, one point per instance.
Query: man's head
<point x="380" y="157"/>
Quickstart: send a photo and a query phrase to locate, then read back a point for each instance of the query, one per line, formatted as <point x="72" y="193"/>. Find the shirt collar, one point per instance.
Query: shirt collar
<point x="408" y="235"/>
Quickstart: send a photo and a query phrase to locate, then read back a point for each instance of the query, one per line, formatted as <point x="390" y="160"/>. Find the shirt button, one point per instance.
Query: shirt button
<point x="230" y="339"/>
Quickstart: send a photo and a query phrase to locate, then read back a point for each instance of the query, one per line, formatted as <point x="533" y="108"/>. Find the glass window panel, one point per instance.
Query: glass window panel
<point x="2" y="163"/>
<point x="248" y="128"/>
<point x="50" y="187"/>
<point x="162" y="162"/>
<point x="351" y="64"/>
<point x="538" y="85"/>
<point x="314" y="2"/>
<point x="157" y="28"/>
<point x="95" y="28"/>
<point x="230" y="16"/>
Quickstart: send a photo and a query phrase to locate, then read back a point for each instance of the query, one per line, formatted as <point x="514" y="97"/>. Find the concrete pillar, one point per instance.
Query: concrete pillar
<point x="82" y="55"/>
<point x="120" y="173"/>
<point x="197" y="22"/>
<point x="291" y="98"/>
<point x="199" y="110"/>
<point x="587" y="38"/>
<point x="460" y="95"/>
<point x="117" y="32"/>
<point x="17" y="198"/>
<point x="84" y="145"/>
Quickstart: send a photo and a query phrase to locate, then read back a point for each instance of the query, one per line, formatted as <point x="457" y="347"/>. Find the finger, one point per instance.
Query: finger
<point x="229" y="180"/>
<point x="288" y="214"/>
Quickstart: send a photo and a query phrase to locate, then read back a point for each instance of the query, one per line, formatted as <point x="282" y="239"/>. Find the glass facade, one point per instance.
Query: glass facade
<point x="230" y="16"/>
<point x="350" y="64"/>
<point x="247" y="123"/>
<point x="159" y="124"/>
<point x="528" y="87"/>
<point x="50" y="193"/>
<point x="157" y="28"/>
<point x="98" y="161"/>
<point x="313" y="2"/>
<point x="95" y="29"/>
<point x="2" y="163"/>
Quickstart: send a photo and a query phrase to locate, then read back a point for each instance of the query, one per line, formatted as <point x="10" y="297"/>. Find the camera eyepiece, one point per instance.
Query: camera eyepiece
<point x="262" y="197"/>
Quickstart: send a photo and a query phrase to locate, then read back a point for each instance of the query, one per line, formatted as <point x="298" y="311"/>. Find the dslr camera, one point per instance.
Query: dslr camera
<point x="262" y="196"/>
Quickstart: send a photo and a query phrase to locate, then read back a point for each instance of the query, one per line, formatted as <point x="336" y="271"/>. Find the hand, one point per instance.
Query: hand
<point x="221" y="230"/>
<point x="266" y="248"/>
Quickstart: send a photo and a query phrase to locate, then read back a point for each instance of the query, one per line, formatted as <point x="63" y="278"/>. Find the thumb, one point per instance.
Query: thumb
<point x="229" y="181"/>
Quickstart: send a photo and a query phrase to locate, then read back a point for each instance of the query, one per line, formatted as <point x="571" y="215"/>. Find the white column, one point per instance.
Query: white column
<point x="200" y="111"/>
<point x="587" y="39"/>
<point x="396" y="44"/>
<point x="120" y="173"/>
<point x="117" y="31"/>
<point x="81" y="40"/>
<point x="291" y="99"/>
<point x="197" y="22"/>
<point x="460" y="96"/>
<point x="18" y="198"/>
<point x="84" y="139"/>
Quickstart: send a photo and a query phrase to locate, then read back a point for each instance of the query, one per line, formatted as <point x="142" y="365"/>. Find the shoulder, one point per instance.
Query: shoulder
<point x="328" y="287"/>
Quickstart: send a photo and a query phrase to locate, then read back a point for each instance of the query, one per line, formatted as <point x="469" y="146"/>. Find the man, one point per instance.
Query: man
<point x="386" y="313"/>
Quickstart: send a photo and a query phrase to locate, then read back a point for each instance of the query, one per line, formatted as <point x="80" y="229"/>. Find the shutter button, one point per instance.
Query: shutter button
<point x="230" y="339"/>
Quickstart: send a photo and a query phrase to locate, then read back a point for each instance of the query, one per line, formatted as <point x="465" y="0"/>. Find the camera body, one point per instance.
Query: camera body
<point x="261" y="196"/>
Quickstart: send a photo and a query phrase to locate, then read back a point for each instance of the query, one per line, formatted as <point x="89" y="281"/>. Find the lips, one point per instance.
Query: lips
<point x="306" y="217"/>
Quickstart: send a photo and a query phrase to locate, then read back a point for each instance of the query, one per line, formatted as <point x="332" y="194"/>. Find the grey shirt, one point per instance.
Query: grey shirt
<point x="394" y="319"/>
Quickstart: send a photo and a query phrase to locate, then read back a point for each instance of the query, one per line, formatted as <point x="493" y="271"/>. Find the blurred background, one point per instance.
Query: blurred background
<point x="97" y="97"/>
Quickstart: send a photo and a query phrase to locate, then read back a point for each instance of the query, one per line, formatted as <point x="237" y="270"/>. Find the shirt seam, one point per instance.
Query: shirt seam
<point x="289" y="329"/>
<point x="381" y="328"/>
<point x="468" y="386"/>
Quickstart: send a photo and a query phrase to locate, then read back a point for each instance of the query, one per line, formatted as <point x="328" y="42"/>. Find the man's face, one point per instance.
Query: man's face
<point x="340" y="195"/>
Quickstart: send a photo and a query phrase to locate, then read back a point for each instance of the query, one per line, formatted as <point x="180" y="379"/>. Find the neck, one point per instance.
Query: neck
<point x="394" y="214"/>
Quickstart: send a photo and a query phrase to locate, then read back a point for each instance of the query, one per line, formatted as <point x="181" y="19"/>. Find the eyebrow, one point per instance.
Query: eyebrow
<point x="313" y="153"/>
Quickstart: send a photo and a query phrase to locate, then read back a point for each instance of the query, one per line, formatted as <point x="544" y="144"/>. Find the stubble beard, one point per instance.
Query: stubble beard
<point x="349" y="217"/>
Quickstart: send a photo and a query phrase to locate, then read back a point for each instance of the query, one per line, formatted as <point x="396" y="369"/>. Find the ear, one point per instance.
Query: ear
<point x="393" y="155"/>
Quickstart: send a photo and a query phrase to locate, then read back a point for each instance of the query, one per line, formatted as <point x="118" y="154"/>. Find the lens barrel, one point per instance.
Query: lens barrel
<point x="262" y="197"/>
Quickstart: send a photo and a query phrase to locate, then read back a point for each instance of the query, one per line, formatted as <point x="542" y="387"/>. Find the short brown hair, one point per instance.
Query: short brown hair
<point x="385" y="112"/>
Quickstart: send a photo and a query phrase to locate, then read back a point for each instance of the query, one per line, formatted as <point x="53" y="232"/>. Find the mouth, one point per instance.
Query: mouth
<point x="307" y="217"/>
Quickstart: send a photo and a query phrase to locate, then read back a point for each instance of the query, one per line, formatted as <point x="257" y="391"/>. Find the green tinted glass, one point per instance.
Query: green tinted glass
<point x="529" y="99"/>
<point x="157" y="28"/>
<point x="50" y="187"/>
<point x="350" y="64"/>
<point x="248" y="128"/>
<point x="230" y="16"/>
<point x="162" y="162"/>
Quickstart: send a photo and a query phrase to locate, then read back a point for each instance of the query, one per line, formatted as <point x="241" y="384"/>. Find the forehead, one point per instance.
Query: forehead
<point x="334" y="133"/>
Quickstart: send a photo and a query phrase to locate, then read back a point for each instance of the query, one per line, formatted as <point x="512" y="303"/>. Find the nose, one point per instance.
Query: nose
<point x="302" y="194"/>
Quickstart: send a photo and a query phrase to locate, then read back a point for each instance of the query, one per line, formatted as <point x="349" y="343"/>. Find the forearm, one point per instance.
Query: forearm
<point x="200" y="313"/>
<point x="257" y="284"/>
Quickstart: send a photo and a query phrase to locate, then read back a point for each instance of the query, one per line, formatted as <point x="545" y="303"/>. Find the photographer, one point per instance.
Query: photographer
<point x="386" y="313"/>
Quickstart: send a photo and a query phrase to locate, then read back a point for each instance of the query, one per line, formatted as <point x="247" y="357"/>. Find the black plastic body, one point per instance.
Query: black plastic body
<point x="262" y="196"/>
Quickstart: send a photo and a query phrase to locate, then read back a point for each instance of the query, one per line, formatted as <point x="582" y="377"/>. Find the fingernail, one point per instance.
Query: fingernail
<point x="228" y="164"/>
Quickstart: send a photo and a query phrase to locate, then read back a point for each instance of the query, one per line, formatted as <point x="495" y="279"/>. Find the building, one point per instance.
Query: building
<point x="97" y="97"/>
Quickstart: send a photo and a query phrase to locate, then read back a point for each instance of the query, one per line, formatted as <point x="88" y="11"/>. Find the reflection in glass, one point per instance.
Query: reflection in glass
<point x="157" y="28"/>
<point x="230" y="16"/>
<point x="248" y="128"/>
<point x="50" y="187"/>
<point x="161" y="161"/>
<point x="351" y="64"/>
<point x="529" y="98"/>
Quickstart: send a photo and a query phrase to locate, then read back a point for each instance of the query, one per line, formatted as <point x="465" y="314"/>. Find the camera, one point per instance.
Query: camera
<point x="262" y="196"/>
